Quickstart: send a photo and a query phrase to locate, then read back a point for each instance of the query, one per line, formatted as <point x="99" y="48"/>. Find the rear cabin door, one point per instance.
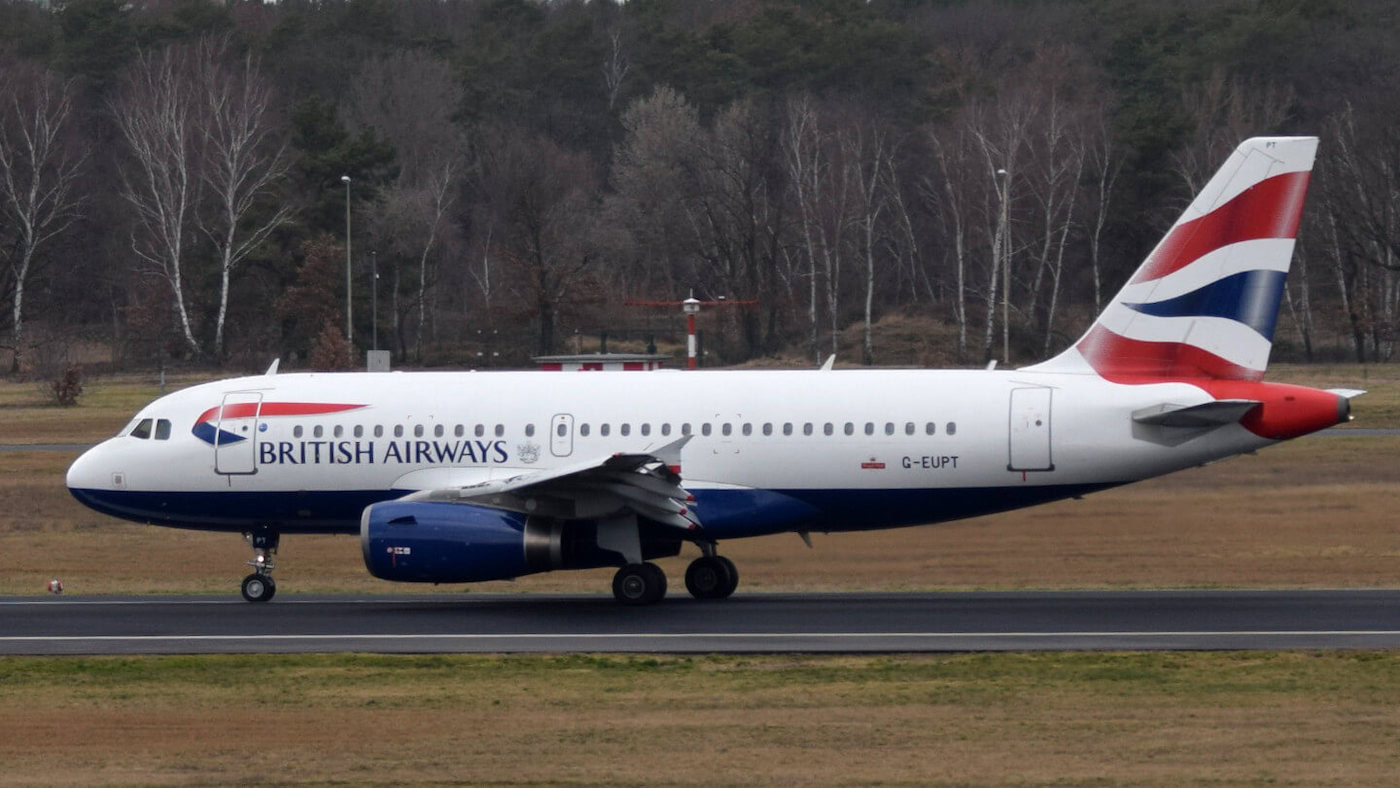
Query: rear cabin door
<point x="1030" y="430"/>
<point x="235" y="433"/>
<point x="561" y="435"/>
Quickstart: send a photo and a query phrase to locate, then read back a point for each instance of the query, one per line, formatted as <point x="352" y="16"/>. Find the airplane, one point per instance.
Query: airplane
<point x="460" y="477"/>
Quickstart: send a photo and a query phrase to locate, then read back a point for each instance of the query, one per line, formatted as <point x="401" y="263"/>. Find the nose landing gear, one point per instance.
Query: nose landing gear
<point x="259" y="587"/>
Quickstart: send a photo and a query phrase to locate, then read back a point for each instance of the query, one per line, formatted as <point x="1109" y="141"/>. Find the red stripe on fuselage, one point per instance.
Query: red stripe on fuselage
<point x="244" y="410"/>
<point x="1268" y="209"/>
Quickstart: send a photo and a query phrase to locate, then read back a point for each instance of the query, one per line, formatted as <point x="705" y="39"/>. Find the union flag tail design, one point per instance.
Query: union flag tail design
<point x="1204" y="303"/>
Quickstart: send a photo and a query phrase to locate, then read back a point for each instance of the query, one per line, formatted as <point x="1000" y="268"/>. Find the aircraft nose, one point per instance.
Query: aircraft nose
<point x="87" y="472"/>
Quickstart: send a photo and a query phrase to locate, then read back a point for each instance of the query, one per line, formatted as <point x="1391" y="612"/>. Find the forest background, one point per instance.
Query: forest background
<point x="172" y="190"/>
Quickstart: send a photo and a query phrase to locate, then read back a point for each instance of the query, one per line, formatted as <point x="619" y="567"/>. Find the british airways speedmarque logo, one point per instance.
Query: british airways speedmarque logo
<point x="206" y="429"/>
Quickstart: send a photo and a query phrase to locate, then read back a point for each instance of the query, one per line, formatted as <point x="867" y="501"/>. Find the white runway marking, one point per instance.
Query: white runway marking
<point x="700" y="635"/>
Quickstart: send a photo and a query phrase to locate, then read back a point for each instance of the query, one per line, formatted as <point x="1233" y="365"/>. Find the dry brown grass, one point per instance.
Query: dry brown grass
<point x="1158" y="719"/>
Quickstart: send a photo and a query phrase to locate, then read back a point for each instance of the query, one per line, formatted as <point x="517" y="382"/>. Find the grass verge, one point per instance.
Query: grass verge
<point x="1146" y="719"/>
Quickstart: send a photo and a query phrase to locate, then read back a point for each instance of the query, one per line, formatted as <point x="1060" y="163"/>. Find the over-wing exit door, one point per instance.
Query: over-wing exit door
<point x="561" y="435"/>
<point x="1030" y="430"/>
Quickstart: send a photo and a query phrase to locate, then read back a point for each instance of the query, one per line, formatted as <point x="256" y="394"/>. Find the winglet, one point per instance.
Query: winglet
<point x="830" y="361"/>
<point x="272" y="370"/>
<point x="670" y="454"/>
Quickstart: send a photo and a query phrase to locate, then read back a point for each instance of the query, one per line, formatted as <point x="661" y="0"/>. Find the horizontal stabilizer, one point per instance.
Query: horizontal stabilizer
<point x="1208" y="414"/>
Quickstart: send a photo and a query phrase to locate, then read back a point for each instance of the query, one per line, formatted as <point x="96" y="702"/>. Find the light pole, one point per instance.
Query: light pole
<point x="1005" y="268"/>
<point x="374" y="300"/>
<point x="349" y="337"/>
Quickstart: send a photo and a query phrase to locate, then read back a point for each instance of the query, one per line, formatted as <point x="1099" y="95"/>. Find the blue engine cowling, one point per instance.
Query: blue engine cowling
<point x="444" y="543"/>
<point x="424" y="542"/>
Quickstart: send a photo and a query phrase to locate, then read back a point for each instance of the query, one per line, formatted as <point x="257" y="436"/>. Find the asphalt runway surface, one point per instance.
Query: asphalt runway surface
<point x="746" y="623"/>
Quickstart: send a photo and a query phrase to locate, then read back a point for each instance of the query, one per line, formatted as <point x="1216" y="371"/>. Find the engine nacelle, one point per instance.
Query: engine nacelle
<point x="443" y="543"/>
<point x="424" y="542"/>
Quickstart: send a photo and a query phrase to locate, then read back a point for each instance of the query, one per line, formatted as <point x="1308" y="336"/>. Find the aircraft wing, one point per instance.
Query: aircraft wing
<point x="645" y="483"/>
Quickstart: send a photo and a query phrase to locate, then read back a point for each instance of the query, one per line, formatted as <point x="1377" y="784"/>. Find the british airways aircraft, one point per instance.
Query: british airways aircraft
<point x="456" y="477"/>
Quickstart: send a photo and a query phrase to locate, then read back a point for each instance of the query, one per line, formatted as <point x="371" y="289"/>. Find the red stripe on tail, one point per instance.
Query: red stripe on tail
<point x="1123" y="360"/>
<point x="1271" y="208"/>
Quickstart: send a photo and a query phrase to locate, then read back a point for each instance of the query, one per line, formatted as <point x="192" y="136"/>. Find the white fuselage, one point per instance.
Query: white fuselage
<point x="772" y="450"/>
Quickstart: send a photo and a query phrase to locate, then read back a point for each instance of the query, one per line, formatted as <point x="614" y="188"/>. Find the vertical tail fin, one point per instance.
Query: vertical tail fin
<point x="1204" y="302"/>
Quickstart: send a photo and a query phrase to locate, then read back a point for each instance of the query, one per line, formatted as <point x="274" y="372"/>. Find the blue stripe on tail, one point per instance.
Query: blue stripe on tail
<point x="1249" y="297"/>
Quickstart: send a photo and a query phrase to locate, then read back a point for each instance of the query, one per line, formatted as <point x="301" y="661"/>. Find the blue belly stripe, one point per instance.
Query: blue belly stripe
<point x="726" y="514"/>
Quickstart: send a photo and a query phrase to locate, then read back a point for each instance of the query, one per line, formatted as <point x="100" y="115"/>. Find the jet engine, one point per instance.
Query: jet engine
<point x="426" y="542"/>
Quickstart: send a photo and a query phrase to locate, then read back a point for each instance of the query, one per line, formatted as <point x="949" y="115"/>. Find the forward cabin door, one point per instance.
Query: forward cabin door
<point x="561" y="435"/>
<point x="235" y="433"/>
<point x="1030" y="430"/>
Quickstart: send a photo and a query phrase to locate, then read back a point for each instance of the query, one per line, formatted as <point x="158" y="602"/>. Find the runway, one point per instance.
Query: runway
<point x="749" y="622"/>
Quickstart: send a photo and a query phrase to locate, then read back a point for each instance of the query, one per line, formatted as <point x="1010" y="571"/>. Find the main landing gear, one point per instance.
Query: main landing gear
<point x="259" y="587"/>
<point x="711" y="576"/>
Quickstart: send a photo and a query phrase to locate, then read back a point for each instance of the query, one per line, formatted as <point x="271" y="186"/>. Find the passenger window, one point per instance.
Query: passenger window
<point x="725" y="429"/>
<point x="850" y="428"/>
<point x="908" y="428"/>
<point x="705" y="428"/>
<point x="869" y="428"/>
<point x="563" y="429"/>
<point x="952" y="428"/>
<point x="889" y="428"/>
<point x="458" y="431"/>
<point x="379" y="430"/>
<point x="767" y="428"/>
<point x="828" y="428"/>
<point x="359" y="431"/>
<point x="338" y="431"/>
<point x="500" y="430"/>
<point x="646" y="429"/>
<point x="163" y="430"/>
<point x="666" y="428"/>
<point x="480" y="430"/>
<point x="625" y="429"/>
<point x="317" y="431"/>
<point x="603" y="430"/>
<point x="142" y="430"/>
<point x="296" y="431"/>
<point x="807" y="428"/>
<point x="929" y="429"/>
<point x="398" y="430"/>
<point x="583" y="429"/>
<point x="418" y="430"/>
<point x="529" y="430"/>
<point x="747" y="429"/>
<point x="685" y="428"/>
<point x="787" y="428"/>
<point x="438" y="430"/>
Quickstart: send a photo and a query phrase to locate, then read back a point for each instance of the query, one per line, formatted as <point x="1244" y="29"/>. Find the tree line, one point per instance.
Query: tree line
<point x="176" y="176"/>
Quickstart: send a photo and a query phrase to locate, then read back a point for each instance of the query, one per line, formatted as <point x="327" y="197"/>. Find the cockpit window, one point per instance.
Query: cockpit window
<point x="163" y="429"/>
<point x="142" y="430"/>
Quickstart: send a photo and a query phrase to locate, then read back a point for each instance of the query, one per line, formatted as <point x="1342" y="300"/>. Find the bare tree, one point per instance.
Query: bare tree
<point x="156" y="113"/>
<point x="866" y="150"/>
<point x="241" y="163"/>
<point x="1105" y="164"/>
<point x="37" y="173"/>
<point x="409" y="98"/>
<point x="1226" y="110"/>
